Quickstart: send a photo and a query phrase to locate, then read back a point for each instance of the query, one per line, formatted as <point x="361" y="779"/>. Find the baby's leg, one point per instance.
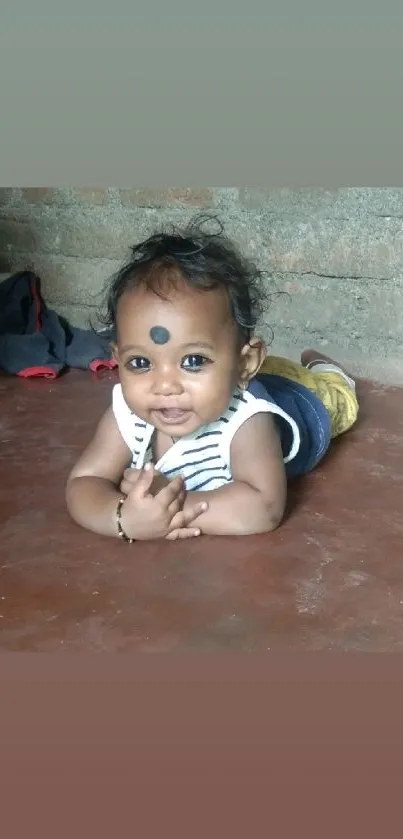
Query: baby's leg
<point x="316" y="361"/>
<point x="326" y="379"/>
<point x="335" y="387"/>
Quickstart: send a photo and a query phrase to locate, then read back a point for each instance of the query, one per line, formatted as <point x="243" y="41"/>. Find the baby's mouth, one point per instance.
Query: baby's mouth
<point x="172" y="416"/>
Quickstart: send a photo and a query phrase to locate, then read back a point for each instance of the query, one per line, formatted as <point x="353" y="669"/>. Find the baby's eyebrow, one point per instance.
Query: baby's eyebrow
<point x="190" y="345"/>
<point x="132" y="347"/>
<point x="201" y="344"/>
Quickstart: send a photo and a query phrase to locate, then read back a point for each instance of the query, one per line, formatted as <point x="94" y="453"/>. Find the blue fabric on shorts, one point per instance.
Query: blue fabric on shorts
<point x="306" y="410"/>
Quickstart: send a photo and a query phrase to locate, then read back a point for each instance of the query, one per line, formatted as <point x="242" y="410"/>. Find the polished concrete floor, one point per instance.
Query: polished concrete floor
<point x="330" y="578"/>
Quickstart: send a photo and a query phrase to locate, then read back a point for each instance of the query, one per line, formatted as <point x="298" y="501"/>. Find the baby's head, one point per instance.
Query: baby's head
<point x="183" y="312"/>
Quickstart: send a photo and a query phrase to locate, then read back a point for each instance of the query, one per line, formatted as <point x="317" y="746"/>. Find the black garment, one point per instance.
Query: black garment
<point x="35" y="341"/>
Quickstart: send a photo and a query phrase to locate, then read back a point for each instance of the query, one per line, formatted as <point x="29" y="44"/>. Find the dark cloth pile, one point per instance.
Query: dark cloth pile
<point x="36" y="341"/>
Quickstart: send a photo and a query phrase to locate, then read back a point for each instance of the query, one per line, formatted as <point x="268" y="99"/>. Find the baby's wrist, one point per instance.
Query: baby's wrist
<point x="122" y="529"/>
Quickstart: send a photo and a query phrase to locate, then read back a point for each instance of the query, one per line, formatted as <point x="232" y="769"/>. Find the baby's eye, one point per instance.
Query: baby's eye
<point x="194" y="362"/>
<point x="139" y="363"/>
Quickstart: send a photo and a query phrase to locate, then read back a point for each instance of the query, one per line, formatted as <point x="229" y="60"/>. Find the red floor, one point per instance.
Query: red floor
<point x="330" y="578"/>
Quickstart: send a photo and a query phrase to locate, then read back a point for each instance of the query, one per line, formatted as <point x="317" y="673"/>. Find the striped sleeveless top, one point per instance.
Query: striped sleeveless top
<point x="203" y="457"/>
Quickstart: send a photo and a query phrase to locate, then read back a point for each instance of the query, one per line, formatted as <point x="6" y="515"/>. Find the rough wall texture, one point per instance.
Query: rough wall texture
<point x="338" y="253"/>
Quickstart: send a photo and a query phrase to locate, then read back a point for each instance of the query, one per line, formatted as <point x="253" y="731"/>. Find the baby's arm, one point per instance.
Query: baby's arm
<point x="255" y="500"/>
<point x="92" y="491"/>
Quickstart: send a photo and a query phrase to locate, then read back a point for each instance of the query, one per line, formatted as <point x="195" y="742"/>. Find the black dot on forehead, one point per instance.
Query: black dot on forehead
<point x="159" y="335"/>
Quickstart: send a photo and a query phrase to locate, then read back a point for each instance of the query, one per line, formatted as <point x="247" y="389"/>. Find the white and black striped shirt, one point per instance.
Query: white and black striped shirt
<point x="203" y="457"/>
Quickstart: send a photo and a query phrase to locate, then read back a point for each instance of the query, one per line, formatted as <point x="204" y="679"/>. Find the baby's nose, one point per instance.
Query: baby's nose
<point x="167" y="382"/>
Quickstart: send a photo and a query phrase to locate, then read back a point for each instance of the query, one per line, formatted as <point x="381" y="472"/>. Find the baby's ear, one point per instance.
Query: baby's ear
<point x="115" y="354"/>
<point x="252" y="357"/>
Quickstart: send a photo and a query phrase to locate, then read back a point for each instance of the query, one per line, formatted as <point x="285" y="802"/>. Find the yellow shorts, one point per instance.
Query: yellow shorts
<point x="338" y="397"/>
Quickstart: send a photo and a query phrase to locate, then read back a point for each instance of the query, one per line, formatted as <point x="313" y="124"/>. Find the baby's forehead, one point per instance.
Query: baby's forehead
<point x="179" y="312"/>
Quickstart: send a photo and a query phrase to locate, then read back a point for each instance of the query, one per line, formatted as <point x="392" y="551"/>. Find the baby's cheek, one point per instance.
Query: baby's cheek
<point x="133" y="392"/>
<point x="217" y="402"/>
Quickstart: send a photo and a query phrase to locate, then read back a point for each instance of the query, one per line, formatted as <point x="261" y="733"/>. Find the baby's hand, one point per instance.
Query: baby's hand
<point x="131" y="476"/>
<point x="148" y="516"/>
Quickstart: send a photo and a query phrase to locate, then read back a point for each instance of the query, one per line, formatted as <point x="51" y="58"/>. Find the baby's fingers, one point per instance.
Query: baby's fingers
<point x="129" y="480"/>
<point x="184" y="518"/>
<point x="142" y="486"/>
<point x="171" y="492"/>
<point x="182" y="533"/>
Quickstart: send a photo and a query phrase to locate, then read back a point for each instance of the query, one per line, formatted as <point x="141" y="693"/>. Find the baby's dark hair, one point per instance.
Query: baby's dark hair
<point x="205" y="260"/>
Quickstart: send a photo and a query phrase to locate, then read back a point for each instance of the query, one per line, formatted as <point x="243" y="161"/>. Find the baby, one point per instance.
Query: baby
<point x="204" y="429"/>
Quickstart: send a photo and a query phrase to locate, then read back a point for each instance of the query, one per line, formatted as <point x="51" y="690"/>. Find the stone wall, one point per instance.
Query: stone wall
<point x="338" y="254"/>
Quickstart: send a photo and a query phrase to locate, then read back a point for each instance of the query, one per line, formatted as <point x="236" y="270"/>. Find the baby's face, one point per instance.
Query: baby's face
<point x="179" y="358"/>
